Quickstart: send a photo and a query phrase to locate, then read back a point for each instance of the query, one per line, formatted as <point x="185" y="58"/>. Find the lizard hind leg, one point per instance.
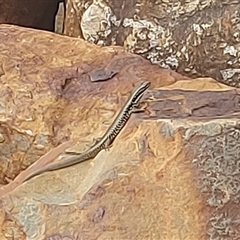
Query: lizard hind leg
<point x="108" y="144"/>
<point x="95" y="141"/>
<point x="82" y="149"/>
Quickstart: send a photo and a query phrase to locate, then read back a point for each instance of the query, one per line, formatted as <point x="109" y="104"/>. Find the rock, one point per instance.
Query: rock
<point x="40" y="81"/>
<point x="196" y="38"/>
<point x="172" y="173"/>
<point x="59" y="19"/>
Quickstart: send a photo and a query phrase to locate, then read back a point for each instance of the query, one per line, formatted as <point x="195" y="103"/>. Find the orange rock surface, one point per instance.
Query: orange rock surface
<point x="172" y="173"/>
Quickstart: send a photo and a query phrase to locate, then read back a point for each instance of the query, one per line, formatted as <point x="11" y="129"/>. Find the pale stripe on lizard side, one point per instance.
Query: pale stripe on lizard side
<point x="107" y="139"/>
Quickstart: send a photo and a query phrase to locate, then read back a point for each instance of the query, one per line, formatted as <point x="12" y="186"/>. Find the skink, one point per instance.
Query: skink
<point x="106" y="141"/>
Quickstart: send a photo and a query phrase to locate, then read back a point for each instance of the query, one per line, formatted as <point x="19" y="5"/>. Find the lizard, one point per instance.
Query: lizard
<point x="131" y="106"/>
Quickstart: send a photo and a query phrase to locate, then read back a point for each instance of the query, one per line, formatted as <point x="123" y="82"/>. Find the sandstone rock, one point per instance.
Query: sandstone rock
<point x="59" y="19"/>
<point x="40" y="80"/>
<point x="196" y="38"/>
<point x="172" y="173"/>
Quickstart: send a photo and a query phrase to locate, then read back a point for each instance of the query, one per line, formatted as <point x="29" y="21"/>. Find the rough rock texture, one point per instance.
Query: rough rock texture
<point x="32" y="13"/>
<point x="172" y="173"/>
<point x="51" y="82"/>
<point x="59" y="19"/>
<point x="196" y="38"/>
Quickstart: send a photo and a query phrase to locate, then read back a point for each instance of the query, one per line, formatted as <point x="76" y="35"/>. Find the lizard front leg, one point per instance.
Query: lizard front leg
<point x="136" y="108"/>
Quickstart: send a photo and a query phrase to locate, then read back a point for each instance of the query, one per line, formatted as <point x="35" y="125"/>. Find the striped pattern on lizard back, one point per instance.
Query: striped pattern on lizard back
<point x="108" y="137"/>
